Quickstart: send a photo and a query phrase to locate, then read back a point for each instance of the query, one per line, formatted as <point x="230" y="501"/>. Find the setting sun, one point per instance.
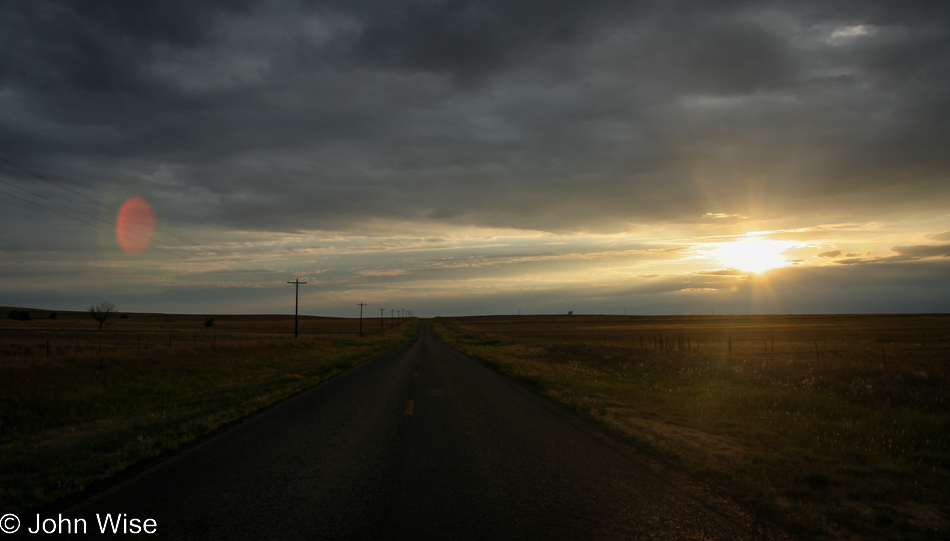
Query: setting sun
<point x="753" y="255"/>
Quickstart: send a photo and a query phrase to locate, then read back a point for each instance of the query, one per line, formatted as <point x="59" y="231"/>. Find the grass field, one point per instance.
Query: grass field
<point x="841" y="424"/>
<point x="78" y="405"/>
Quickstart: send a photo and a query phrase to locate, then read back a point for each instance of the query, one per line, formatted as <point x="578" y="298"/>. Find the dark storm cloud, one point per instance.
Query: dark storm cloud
<point x="908" y="253"/>
<point x="69" y="52"/>
<point x="469" y="40"/>
<point x="557" y="115"/>
<point x="93" y="47"/>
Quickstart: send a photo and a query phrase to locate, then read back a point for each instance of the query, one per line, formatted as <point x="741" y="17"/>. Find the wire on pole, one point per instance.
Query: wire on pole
<point x="297" y="283"/>
<point x="362" y="304"/>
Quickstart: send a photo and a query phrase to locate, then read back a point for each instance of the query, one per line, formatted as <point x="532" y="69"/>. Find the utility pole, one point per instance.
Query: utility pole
<point x="392" y="318"/>
<point x="381" y="319"/>
<point x="362" y="304"/>
<point x="297" y="283"/>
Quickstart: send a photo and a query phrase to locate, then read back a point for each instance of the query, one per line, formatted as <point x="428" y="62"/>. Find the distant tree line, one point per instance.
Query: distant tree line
<point x="19" y="315"/>
<point x="23" y="315"/>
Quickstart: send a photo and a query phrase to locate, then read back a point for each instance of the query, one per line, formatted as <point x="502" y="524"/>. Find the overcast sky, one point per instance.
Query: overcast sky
<point x="465" y="157"/>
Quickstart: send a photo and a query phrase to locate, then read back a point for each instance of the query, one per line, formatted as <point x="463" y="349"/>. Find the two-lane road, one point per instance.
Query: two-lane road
<point x="420" y="443"/>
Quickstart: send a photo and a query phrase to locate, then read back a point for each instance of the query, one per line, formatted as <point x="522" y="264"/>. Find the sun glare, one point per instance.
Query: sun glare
<point x="753" y="255"/>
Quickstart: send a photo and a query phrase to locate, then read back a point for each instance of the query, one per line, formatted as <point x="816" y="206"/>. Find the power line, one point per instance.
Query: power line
<point x="78" y="220"/>
<point x="115" y="210"/>
<point x="146" y="242"/>
<point x="178" y="253"/>
<point x="98" y="219"/>
<point x="250" y="266"/>
<point x="86" y="197"/>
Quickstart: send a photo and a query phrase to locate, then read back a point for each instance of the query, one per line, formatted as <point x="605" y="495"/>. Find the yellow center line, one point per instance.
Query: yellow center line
<point x="409" y="406"/>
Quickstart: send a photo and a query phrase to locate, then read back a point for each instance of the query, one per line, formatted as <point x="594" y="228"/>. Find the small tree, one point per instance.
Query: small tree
<point x="209" y="322"/>
<point x="101" y="312"/>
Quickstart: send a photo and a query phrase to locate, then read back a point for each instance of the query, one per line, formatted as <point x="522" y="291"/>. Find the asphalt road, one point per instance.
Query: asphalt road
<point x="420" y="443"/>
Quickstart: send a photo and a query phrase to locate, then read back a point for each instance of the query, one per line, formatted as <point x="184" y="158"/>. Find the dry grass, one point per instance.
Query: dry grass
<point x="73" y="412"/>
<point x="818" y="431"/>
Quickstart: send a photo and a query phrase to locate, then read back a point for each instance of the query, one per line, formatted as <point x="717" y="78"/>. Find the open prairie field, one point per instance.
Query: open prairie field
<point x="840" y="423"/>
<point x="78" y="405"/>
<point x="903" y="342"/>
<point x="76" y="334"/>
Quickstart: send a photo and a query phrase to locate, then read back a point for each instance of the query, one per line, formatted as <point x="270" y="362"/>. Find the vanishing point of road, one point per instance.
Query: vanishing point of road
<point x="420" y="443"/>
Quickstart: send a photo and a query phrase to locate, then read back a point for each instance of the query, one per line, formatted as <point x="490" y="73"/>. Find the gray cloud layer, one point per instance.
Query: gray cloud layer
<point x="557" y="115"/>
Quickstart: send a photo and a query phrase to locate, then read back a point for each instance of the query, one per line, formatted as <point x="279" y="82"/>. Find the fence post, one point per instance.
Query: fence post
<point x="883" y="355"/>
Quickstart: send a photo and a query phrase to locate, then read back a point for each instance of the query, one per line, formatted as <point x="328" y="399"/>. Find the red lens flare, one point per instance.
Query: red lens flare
<point x="134" y="225"/>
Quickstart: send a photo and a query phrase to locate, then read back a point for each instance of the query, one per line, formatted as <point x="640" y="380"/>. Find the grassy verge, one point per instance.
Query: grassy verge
<point x="840" y="451"/>
<point x="68" y="423"/>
